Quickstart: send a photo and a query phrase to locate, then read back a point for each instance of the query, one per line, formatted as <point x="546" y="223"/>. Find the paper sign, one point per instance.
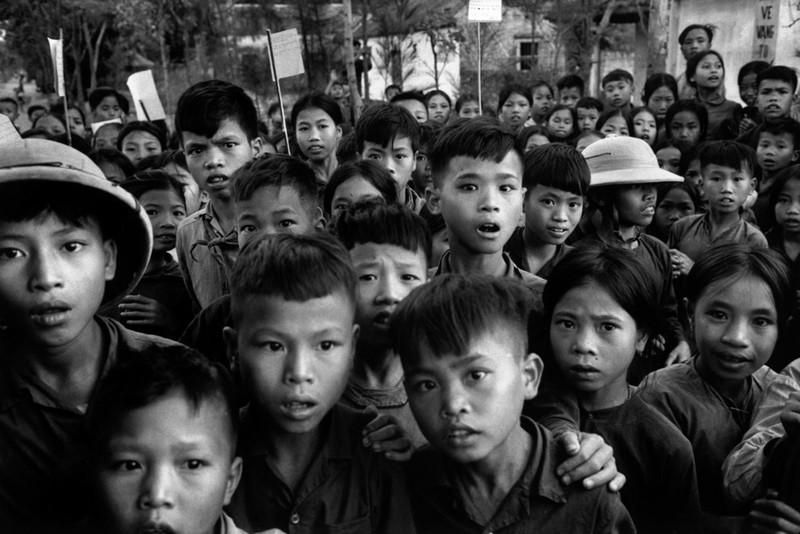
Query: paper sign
<point x="485" y="11"/>
<point x="57" y="55"/>
<point x="145" y="96"/>
<point x="96" y="125"/>
<point x="286" y="54"/>
<point x="766" y="35"/>
<point x="8" y="133"/>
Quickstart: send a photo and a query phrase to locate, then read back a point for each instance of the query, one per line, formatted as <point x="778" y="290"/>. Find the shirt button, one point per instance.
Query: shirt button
<point x="294" y="519"/>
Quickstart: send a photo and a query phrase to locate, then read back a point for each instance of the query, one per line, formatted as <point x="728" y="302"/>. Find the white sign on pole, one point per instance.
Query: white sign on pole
<point x="57" y="55"/>
<point x="145" y="96"/>
<point x="287" y="54"/>
<point x="485" y="11"/>
<point x="766" y="36"/>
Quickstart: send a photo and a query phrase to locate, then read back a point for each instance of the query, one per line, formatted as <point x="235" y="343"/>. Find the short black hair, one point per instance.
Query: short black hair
<point x="481" y="138"/>
<point x="463" y="99"/>
<point x="280" y="266"/>
<point x="558" y="166"/>
<point x="705" y="27"/>
<point x="205" y="105"/>
<point x="318" y="99"/>
<point x="382" y="123"/>
<point x="529" y="131"/>
<point x="434" y="92"/>
<point x="97" y="96"/>
<point x="34" y="108"/>
<point x="447" y="313"/>
<point x="754" y="67"/>
<point x="142" y="126"/>
<point x="780" y="73"/>
<point x="782" y="126"/>
<point x="155" y="373"/>
<point x="728" y="154"/>
<point x="159" y="161"/>
<point x="571" y="80"/>
<point x="373" y="221"/>
<point x="589" y="102"/>
<point x="372" y="172"/>
<point x="610" y="114"/>
<point x="656" y="81"/>
<point x="153" y="180"/>
<point x="428" y="132"/>
<point x="113" y="157"/>
<point x="276" y="170"/>
<point x="617" y="75"/>
<point x="347" y="150"/>
<point x="409" y="95"/>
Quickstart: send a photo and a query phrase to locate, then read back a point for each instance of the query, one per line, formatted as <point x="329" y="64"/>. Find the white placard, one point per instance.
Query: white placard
<point x="57" y="55"/>
<point x="766" y="37"/>
<point x="145" y="96"/>
<point x="485" y="11"/>
<point x="287" y="54"/>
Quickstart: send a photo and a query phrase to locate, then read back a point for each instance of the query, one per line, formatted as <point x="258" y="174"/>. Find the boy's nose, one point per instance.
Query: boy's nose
<point x="454" y="402"/>
<point x="157" y="489"/>
<point x="389" y="290"/>
<point x="298" y="366"/>
<point x="45" y="272"/>
<point x="736" y="334"/>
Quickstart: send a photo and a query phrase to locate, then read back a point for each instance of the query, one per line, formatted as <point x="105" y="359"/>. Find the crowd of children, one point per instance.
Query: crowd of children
<point x="565" y="314"/>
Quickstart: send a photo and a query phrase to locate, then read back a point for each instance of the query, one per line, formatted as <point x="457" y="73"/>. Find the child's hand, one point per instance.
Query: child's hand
<point x="681" y="353"/>
<point x="681" y="263"/>
<point x="592" y="461"/>
<point x="746" y="124"/>
<point x="384" y="433"/>
<point x="790" y="415"/>
<point x="772" y="515"/>
<point x="136" y="310"/>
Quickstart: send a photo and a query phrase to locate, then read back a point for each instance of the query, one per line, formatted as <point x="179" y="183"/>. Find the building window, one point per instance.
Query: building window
<point x="527" y="52"/>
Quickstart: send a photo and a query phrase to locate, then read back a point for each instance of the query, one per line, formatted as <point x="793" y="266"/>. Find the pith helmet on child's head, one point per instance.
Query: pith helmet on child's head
<point x="45" y="163"/>
<point x="625" y="161"/>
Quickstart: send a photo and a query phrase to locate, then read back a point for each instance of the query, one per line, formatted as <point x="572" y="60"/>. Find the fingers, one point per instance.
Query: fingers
<point x="137" y="299"/>
<point x="590" y="460"/>
<point x="570" y="443"/>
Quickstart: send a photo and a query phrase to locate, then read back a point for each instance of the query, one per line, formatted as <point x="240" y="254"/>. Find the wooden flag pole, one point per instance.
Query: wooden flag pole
<point x="278" y="87"/>
<point x="66" y="107"/>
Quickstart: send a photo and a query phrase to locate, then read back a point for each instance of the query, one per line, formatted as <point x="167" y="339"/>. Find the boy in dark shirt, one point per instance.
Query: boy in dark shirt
<point x="305" y="469"/>
<point x="463" y="343"/>
<point x="70" y="241"/>
<point x="618" y="89"/>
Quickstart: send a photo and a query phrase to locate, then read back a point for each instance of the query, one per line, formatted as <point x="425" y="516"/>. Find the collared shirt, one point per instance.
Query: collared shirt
<point x="515" y="247"/>
<point x="206" y="255"/>
<point x="346" y="488"/>
<point x="744" y="467"/>
<point x="692" y="235"/>
<point x="43" y="466"/>
<point x="713" y="423"/>
<point x="537" y="502"/>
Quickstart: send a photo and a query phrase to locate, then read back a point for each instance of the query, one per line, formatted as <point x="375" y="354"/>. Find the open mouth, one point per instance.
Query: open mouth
<point x="649" y="210"/>
<point x="382" y="318"/>
<point x="490" y="229"/>
<point x="217" y="179"/>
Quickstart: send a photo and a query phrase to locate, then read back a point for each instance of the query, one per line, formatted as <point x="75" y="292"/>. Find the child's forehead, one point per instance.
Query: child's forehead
<point x="398" y="142"/>
<point x="48" y="224"/>
<point x="228" y="128"/>
<point x="387" y="254"/>
<point x="486" y="169"/>
<point x="611" y="83"/>
<point x="587" y="110"/>
<point x="540" y="190"/>
<point x="501" y="344"/>
<point x="783" y="136"/>
<point x="773" y="83"/>
<point x="109" y="100"/>
<point x="278" y="314"/>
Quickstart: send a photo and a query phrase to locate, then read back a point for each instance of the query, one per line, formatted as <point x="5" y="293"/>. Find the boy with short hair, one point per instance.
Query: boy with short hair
<point x="389" y="247"/>
<point x="617" y="88"/>
<point x="556" y="180"/>
<point x="389" y="135"/>
<point x="777" y="87"/>
<point x="146" y="411"/>
<point x="414" y="102"/>
<point x="463" y="343"/>
<point x="71" y="241"/>
<point x="570" y="89"/>
<point x="727" y="168"/>
<point x="778" y="147"/>
<point x="304" y="465"/>
<point x="589" y="110"/>
<point x="218" y="128"/>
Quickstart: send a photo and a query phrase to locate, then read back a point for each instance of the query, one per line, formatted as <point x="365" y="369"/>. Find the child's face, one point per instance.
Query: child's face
<point x="735" y="327"/>
<point x="52" y="277"/>
<point x="644" y="127"/>
<point x="169" y="467"/>
<point x="685" y="126"/>
<point x="776" y="152"/>
<point x="675" y="205"/>
<point x="694" y="177"/>
<point x="438" y="108"/>
<point x="108" y="109"/>
<point x="618" y="93"/>
<point x="552" y="214"/>
<point x="616" y="126"/>
<point x="660" y="100"/>
<point x="542" y="100"/>
<point x="191" y="191"/>
<point x="536" y="140"/>
<point x="775" y="99"/>
<point x="139" y="144"/>
<point x="481" y="202"/>
<point x="295" y="357"/>
<point x="211" y="161"/>
<point x="386" y="275"/>
<point x="594" y="340"/>
<point x="695" y="41"/>
<point x="468" y="405"/>
<point x="355" y="189"/>
<point x="748" y="89"/>
<point x="469" y="110"/>
<point x="317" y="134"/>
<point x="569" y="96"/>
<point x="560" y="124"/>
<point x="787" y="208"/>
<point x="587" y="118"/>
<point x="76" y="122"/>
<point x="586" y="141"/>
<point x="417" y="108"/>
<point x="635" y="204"/>
<point x="710" y="73"/>
<point x="166" y="210"/>
<point x="275" y="210"/>
<point x="515" y="111"/>
<point x="669" y="159"/>
<point x="398" y="157"/>
<point x="422" y="172"/>
<point x="726" y="188"/>
<point x="106" y="136"/>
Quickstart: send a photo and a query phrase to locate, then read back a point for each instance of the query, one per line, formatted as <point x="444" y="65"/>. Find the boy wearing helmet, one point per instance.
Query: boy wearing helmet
<point x="69" y="241"/>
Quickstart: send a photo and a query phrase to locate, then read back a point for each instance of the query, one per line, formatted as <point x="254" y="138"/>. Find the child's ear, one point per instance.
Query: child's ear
<point x="110" y="252"/>
<point x="319" y="223"/>
<point x="795" y="155"/>
<point x="234" y="476"/>
<point x="257" y="145"/>
<point x="338" y="132"/>
<point x="432" y="200"/>
<point x="229" y="334"/>
<point x="532" y="369"/>
<point x="753" y="183"/>
<point x="641" y="341"/>
<point x="414" y="161"/>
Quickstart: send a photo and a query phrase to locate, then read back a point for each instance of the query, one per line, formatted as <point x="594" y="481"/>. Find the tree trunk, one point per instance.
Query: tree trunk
<point x="349" y="60"/>
<point x="594" y="78"/>
<point x="365" y="40"/>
